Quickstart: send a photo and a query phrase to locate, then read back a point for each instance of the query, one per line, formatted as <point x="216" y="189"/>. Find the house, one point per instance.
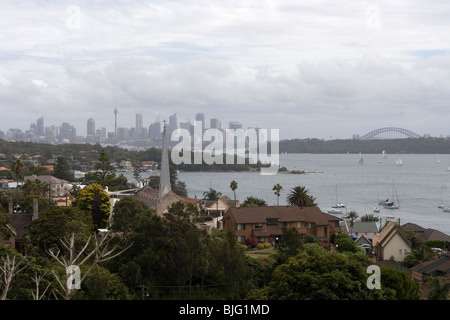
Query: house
<point x="426" y="233"/>
<point x="436" y="267"/>
<point x="368" y="229"/>
<point x="265" y="223"/>
<point x="58" y="187"/>
<point x="391" y="243"/>
<point x="217" y="208"/>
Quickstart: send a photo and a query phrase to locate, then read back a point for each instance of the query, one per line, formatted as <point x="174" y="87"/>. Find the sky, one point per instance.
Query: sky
<point x="312" y="69"/>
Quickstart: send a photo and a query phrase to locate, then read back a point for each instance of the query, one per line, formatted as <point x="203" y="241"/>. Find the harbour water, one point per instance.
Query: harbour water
<point x="420" y="184"/>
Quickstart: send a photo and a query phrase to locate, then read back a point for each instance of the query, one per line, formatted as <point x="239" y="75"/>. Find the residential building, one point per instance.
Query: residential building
<point x="360" y="228"/>
<point x="265" y="223"/>
<point x="217" y="208"/>
<point x="58" y="187"/>
<point x="436" y="267"/>
<point x="391" y="243"/>
<point x="426" y="233"/>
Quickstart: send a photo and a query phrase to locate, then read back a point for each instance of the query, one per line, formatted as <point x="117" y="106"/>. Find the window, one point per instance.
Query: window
<point x="301" y="224"/>
<point x="260" y="239"/>
<point x="308" y="225"/>
<point x="258" y="225"/>
<point x="283" y="224"/>
<point x="241" y="238"/>
<point x="241" y="226"/>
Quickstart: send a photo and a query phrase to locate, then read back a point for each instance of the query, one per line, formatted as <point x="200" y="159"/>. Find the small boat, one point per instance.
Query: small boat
<point x="335" y="211"/>
<point x="446" y="209"/>
<point x="399" y="162"/>
<point x="377" y="209"/>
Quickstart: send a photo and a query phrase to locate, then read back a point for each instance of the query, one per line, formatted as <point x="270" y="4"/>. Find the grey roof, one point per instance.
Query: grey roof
<point x="360" y="227"/>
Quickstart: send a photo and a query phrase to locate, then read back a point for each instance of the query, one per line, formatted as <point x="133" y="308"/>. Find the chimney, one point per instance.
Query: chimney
<point x="10" y="205"/>
<point x="35" y="209"/>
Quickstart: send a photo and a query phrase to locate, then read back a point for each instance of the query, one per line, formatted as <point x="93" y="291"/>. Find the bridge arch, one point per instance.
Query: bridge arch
<point x="389" y="133"/>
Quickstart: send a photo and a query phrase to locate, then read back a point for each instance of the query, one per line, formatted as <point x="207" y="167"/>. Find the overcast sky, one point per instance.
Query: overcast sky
<point x="315" y="69"/>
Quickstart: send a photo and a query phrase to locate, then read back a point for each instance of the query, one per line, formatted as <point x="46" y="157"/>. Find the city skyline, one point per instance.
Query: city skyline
<point x="311" y="70"/>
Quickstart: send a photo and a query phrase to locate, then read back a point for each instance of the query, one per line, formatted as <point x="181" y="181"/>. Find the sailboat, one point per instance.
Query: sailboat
<point x="361" y="160"/>
<point x="391" y="204"/>
<point x="399" y="162"/>
<point x="338" y="204"/>
<point x="437" y="159"/>
<point x="441" y="205"/>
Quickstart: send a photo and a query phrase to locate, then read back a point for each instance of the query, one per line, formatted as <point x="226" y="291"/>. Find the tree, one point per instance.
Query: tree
<point x="62" y="169"/>
<point x="211" y="194"/>
<point x="401" y="283"/>
<point x="299" y="196"/>
<point x="277" y="188"/>
<point x="254" y="202"/>
<point x="233" y="186"/>
<point x="441" y="289"/>
<point x="17" y="168"/>
<point x="128" y="213"/>
<point x="94" y="200"/>
<point x="105" y="171"/>
<point x="370" y="218"/>
<point x="289" y="246"/>
<point x="104" y="248"/>
<point x="321" y="276"/>
<point x="5" y="231"/>
<point x="352" y="215"/>
<point x="10" y="265"/>
<point x="59" y="223"/>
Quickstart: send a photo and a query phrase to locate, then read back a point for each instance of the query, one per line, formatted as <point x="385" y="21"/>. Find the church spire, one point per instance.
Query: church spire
<point x="164" y="178"/>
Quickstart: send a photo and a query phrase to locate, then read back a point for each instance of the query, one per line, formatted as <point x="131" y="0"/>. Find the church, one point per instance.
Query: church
<point x="161" y="199"/>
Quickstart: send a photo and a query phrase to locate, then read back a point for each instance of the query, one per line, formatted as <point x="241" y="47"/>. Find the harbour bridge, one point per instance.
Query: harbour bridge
<point x="389" y="133"/>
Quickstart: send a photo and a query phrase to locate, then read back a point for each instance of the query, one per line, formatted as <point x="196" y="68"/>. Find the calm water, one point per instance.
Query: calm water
<point x="421" y="184"/>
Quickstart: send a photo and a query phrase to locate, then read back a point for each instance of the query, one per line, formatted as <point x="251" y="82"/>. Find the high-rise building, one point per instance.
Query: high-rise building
<point x="91" y="127"/>
<point x="215" y="124"/>
<point x="40" y="130"/>
<point x="115" y="122"/>
<point x="139" y="123"/>
<point x="200" y="117"/>
<point x="154" y="131"/>
<point x="173" y="125"/>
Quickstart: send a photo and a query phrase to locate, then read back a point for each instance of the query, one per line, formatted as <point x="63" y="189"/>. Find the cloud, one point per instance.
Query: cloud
<point x="310" y="69"/>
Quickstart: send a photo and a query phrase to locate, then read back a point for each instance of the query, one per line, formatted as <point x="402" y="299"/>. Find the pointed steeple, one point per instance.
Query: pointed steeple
<point x="164" y="178"/>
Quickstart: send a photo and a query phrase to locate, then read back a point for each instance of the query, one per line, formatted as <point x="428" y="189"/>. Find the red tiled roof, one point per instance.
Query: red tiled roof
<point x="282" y="213"/>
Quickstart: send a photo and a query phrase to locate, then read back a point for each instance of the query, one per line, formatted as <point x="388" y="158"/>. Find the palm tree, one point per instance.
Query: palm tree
<point x="352" y="215"/>
<point x="277" y="188"/>
<point x="211" y="194"/>
<point x="299" y="196"/>
<point x="17" y="168"/>
<point x="233" y="187"/>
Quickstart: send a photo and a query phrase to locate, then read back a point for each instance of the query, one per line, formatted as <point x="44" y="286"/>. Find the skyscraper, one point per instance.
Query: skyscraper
<point x="40" y="130"/>
<point x="200" y="117"/>
<point x="173" y="125"/>
<point x="115" y="123"/>
<point x="91" y="127"/>
<point x="139" y="123"/>
<point x="215" y="124"/>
